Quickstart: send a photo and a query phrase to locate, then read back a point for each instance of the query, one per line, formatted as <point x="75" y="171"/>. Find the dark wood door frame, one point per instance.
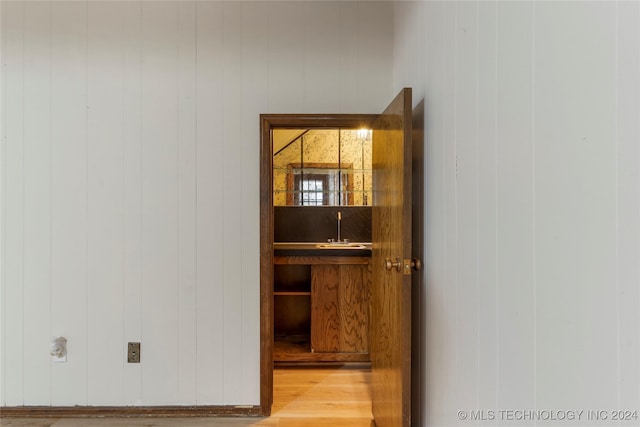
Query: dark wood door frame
<point x="268" y="122"/>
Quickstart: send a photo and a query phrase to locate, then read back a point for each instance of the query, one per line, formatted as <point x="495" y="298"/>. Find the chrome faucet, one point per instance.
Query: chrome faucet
<point x="339" y="240"/>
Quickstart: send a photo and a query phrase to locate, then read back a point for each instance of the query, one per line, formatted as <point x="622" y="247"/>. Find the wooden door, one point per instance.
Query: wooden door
<point x="390" y="338"/>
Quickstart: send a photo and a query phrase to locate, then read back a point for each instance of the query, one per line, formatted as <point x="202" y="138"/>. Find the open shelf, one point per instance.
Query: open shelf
<point x="292" y="293"/>
<point x="298" y="282"/>
<point x="297" y="348"/>
<point x="292" y="278"/>
<point x="291" y="347"/>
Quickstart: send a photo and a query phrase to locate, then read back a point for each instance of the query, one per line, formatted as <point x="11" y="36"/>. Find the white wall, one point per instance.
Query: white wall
<point x="130" y="183"/>
<point x="532" y="184"/>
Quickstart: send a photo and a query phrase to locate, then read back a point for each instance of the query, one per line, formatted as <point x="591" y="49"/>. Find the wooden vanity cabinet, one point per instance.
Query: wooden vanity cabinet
<point x="339" y="308"/>
<point x="321" y="309"/>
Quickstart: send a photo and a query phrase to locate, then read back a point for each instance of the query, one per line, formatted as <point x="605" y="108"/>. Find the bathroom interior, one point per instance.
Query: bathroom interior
<point x="322" y="192"/>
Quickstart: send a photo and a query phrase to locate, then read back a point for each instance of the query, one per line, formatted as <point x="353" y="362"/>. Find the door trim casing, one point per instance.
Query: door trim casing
<point x="268" y="122"/>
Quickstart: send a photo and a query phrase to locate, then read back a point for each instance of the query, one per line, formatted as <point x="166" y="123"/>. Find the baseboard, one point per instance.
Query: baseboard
<point x="128" y="411"/>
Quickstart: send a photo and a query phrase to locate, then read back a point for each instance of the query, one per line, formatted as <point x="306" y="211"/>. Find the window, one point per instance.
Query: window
<point x="309" y="190"/>
<point x="319" y="184"/>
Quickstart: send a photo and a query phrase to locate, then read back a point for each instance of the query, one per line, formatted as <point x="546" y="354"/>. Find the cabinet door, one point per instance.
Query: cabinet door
<point x="340" y="308"/>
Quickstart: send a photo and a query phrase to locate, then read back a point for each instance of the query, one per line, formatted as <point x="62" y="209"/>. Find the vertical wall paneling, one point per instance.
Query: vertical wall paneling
<point x="575" y="203"/>
<point x="409" y="45"/>
<point x="487" y="205"/>
<point x="435" y="99"/>
<point x="449" y="135"/>
<point x="69" y="200"/>
<point x="106" y="348"/>
<point x="210" y="302"/>
<point x="466" y="170"/>
<point x="187" y="327"/>
<point x="348" y="62"/>
<point x="287" y="62"/>
<point x="159" y="175"/>
<point x="13" y="201"/>
<point x="37" y="202"/>
<point x="373" y="47"/>
<point x="628" y="200"/>
<point x="254" y="93"/>
<point x="555" y="204"/>
<point x="132" y="194"/>
<point x="322" y="41"/>
<point x="232" y="197"/>
<point x="130" y="184"/>
<point x="515" y="274"/>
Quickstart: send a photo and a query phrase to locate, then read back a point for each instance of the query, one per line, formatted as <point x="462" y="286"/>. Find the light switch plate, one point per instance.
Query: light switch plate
<point x="133" y="352"/>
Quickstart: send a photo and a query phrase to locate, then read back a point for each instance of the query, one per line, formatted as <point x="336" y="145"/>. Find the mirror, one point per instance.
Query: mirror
<point x="322" y="167"/>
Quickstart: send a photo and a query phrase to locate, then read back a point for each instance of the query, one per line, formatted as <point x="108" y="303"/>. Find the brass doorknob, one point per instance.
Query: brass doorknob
<point x="416" y="264"/>
<point x="389" y="264"/>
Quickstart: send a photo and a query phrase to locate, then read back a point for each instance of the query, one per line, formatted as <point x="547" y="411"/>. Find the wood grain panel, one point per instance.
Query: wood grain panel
<point x="286" y="352"/>
<point x="353" y="299"/>
<point x="340" y="308"/>
<point x="391" y="290"/>
<point x="320" y="260"/>
<point x="325" y="312"/>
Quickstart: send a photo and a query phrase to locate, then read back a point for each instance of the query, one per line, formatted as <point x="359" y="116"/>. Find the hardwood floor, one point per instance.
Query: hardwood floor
<point x="303" y="397"/>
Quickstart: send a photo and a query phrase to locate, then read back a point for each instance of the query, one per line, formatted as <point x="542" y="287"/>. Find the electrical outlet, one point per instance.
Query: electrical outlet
<point x="133" y="353"/>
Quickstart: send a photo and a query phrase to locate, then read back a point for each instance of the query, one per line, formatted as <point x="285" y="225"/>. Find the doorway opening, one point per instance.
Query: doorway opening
<point x="331" y="268"/>
<point x="329" y="186"/>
